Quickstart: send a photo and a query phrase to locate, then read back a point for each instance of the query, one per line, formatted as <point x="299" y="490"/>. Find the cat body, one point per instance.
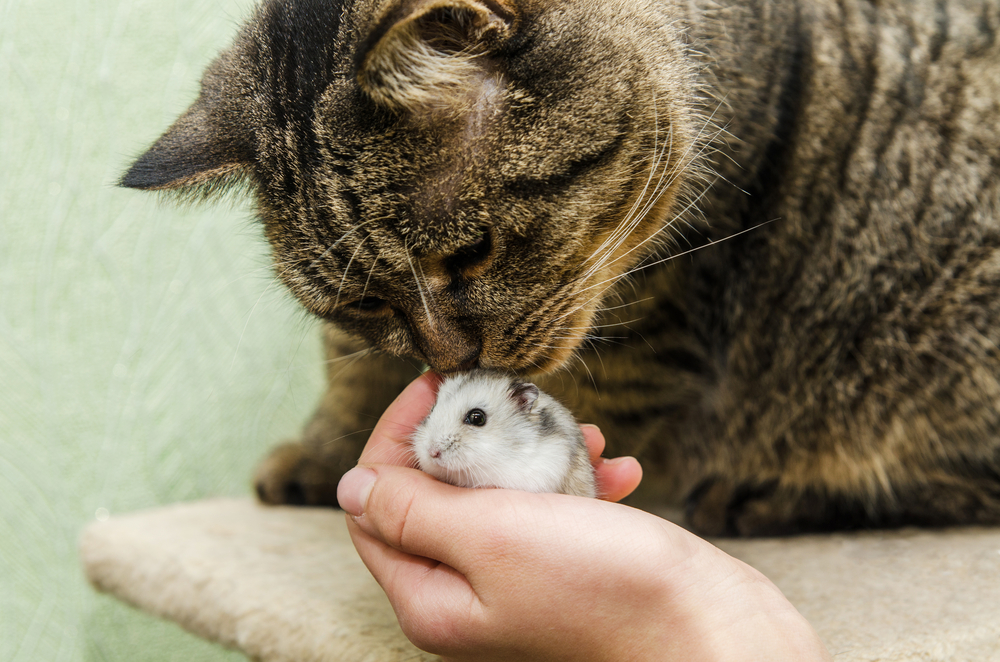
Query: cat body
<point x="757" y="242"/>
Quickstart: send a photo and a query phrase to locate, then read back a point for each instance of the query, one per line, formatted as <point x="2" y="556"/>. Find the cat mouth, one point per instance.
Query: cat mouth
<point x="545" y="340"/>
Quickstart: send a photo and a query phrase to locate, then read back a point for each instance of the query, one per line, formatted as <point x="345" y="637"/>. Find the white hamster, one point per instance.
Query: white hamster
<point x="491" y="430"/>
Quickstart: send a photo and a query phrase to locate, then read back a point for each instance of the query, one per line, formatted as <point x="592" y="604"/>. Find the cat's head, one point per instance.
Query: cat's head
<point x="461" y="181"/>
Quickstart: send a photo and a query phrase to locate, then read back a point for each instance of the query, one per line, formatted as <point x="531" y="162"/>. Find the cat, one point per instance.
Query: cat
<point x="756" y="241"/>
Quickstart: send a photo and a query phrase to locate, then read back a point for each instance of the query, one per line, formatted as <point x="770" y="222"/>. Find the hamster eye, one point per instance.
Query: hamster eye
<point x="476" y="417"/>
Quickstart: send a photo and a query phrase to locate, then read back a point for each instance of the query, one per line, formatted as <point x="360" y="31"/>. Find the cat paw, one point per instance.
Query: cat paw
<point x="290" y="475"/>
<point x="720" y="507"/>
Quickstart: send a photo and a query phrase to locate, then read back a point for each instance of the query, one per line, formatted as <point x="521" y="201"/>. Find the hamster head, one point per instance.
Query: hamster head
<point x="481" y="433"/>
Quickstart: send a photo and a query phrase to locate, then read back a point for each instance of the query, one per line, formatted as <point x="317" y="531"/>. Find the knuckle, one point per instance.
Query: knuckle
<point x="394" y="507"/>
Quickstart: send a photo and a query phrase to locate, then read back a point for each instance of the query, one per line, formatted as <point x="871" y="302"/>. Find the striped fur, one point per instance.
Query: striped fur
<point x="758" y="242"/>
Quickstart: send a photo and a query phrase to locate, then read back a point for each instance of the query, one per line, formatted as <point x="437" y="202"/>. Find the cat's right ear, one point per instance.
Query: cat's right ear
<point x="433" y="54"/>
<point x="195" y="153"/>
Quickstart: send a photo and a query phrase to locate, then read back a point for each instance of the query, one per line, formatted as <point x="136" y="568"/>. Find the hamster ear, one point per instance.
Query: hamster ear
<point x="430" y="58"/>
<point x="524" y="396"/>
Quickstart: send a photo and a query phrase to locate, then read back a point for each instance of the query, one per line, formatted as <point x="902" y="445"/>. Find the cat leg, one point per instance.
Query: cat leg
<point x="722" y="507"/>
<point x="361" y="384"/>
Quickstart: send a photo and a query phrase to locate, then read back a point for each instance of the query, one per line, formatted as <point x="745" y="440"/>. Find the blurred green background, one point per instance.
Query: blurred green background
<point x="146" y="354"/>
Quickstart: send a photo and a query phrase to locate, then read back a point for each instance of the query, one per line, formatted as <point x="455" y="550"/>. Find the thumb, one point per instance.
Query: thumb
<point x="410" y="511"/>
<point x="399" y="522"/>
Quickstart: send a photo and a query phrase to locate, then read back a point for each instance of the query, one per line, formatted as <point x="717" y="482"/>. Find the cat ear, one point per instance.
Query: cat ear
<point x="195" y="153"/>
<point x="524" y="396"/>
<point x="432" y="57"/>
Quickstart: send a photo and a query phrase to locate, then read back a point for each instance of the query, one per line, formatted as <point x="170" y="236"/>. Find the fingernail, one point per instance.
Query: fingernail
<point x="353" y="490"/>
<point x="615" y="460"/>
<point x="590" y="426"/>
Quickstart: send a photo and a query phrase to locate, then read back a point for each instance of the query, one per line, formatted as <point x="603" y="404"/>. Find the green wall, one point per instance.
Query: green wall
<point x="146" y="354"/>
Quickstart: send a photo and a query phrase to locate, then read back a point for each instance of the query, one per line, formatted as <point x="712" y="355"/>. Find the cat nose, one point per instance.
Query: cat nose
<point x="446" y="346"/>
<point x="471" y="362"/>
<point x="451" y="361"/>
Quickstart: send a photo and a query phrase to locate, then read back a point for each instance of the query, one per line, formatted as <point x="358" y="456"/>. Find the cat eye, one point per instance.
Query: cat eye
<point x="367" y="304"/>
<point x="472" y="254"/>
<point x="476" y="417"/>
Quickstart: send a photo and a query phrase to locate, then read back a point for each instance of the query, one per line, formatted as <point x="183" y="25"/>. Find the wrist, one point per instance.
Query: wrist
<point x="716" y="608"/>
<point x="750" y="619"/>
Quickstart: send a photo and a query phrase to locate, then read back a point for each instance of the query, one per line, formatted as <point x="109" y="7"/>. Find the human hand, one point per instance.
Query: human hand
<point x="507" y="575"/>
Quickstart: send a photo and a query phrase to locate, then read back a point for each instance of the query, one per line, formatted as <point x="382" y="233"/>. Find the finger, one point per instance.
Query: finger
<point x="389" y="442"/>
<point x="431" y="599"/>
<point x="594" y="439"/>
<point x="414" y="513"/>
<point x="388" y="503"/>
<point x="617" y="478"/>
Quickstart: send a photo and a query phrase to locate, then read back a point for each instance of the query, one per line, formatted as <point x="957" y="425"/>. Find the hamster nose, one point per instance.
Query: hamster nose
<point x="436" y="453"/>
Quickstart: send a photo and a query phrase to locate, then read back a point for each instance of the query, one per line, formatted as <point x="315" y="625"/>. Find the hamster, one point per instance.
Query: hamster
<point x="490" y="430"/>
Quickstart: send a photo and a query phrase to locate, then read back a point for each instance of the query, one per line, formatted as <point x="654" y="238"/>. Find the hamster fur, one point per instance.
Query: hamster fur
<point x="491" y="430"/>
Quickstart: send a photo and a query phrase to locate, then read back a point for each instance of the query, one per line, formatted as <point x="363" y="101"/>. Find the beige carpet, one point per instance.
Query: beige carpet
<point x="285" y="585"/>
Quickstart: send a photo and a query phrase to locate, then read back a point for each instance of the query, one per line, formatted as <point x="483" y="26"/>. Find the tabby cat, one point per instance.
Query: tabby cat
<point x="756" y="241"/>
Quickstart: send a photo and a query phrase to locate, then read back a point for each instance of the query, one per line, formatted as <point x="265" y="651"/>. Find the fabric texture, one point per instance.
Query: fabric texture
<point x="285" y="584"/>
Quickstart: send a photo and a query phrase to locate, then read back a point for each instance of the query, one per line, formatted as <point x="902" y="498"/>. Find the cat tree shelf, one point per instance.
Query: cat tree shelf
<point x="285" y="584"/>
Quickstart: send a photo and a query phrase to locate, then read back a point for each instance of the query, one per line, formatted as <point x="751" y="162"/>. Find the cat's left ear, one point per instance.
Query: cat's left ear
<point x="524" y="396"/>
<point x="203" y="150"/>
<point x="433" y="54"/>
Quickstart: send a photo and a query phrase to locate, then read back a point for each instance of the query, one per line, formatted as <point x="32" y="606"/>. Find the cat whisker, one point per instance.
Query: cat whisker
<point x="652" y="171"/>
<point x="246" y="324"/>
<point x="624" y="305"/>
<point x="611" y="282"/>
<point x="344" y="236"/>
<point x="684" y="164"/>
<point x="370" y="272"/>
<point x="345" y="436"/>
<point x="691" y="205"/>
<point x="692" y="250"/>
<point x="358" y="354"/>
<point x="615" y="279"/>
<point x="354" y="358"/>
<point x="597" y="353"/>
<point x="664" y="183"/>
<point x="420" y="290"/>
<point x="343" y="278"/>
<point x="601" y="326"/>
<point x="638" y="210"/>
<point x="427" y="287"/>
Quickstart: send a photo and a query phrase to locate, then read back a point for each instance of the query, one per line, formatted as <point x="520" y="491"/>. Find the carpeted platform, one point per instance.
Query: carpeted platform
<point x="285" y="585"/>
